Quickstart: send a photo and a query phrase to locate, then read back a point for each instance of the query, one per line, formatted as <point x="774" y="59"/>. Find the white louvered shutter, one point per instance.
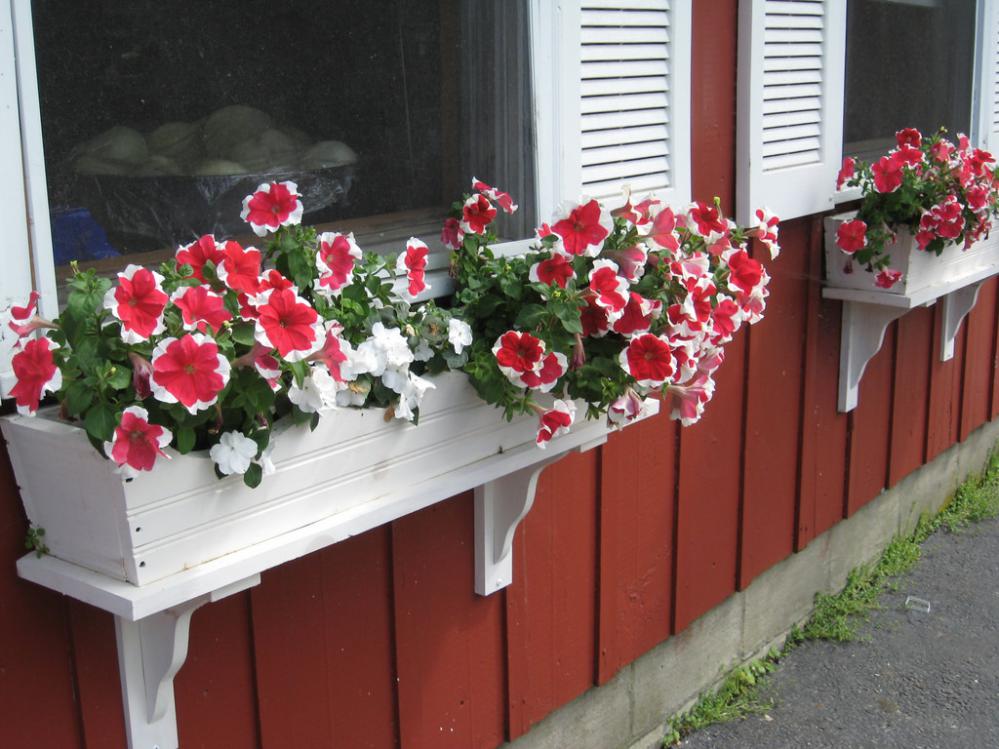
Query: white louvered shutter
<point x="988" y="78"/>
<point x="634" y="89"/>
<point x="790" y="114"/>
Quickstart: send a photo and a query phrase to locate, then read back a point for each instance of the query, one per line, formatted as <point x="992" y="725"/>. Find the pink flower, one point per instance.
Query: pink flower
<point x="632" y="261"/>
<point x="706" y="219"/>
<point x="767" y="228"/>
<point x="846" y="172"/>
<point x="196" y="254"/>
<point x="35" y="371"/>
<point x="555" y="421"/>
<point x="201" y="308"/>
<point x="337" y="256"/>
<point x="594" y="318"/>
<point x="626" y="409"/>
<point x="413" y="263"/>
<point x="240" y="269"/>
<point x="663" y="232"/>
<point x="887" y="174"/>
<point x="476" y="214"/>
<point x="189" y="371"/>
<point x="639" y="214"/>
<point x="502" y="199"/>
<point x="909" y="136"/>
<point x="556" y="270"/>
<point x="142" y="371"/>
<point x="553" y="366"/>
<point x="289" y="324"/>
<point x="851" y="236"/>
<point x="978" y="197"/>
<point x="583" y="229"/>
<point x="638" y="315"/>
<point x="887" y="278"/>
<point x="136" y="443"/>
<point x="649" y="359"/>
<point x="451" y="234"/>
<point x="139" y="302"/>
<point x="689" y="400"/>
<point x="261" y="358"/>
<point x="517" y="354"/>
<point x="726" y="317"/>
<point x="909" y="156"/>
<point x="334" y="353"/>
<point x="610" y="289"/>
<point x="24" y="321"/>
<point x="745" y="273"/>
<point x="942" y="150"/>
<point x="272" y="206"/>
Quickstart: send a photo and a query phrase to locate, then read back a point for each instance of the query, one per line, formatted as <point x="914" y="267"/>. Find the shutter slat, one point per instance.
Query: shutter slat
<point x="802" y="49"/>
<point x="774" y="64"/>
<point x="636" y="35"/>
<point x="605" y="87"/>
<point x="592" y="52"/>
<point x="625" y="169"/>
<point x="793" y="131"/>
<point x="786" y="160"/>
<point x="611" y="120"/>
<point x="623" y="135"/>
<point x="629" y="5"/>
<point x="792" y="105"/>
<point x="791" y="146"/>
<point x="780" y="120"/>
<point x="627" y="69"/>
<point x="624" y="103"/>
<point x="772" y="93"/>
<point x="794" y="8"/>
<point x="639" y="184"/>
<point x="788" y="77"/>
<point x="624" y="153"/>
<point x="797" y="36"/>
<point x="625" y="18"/>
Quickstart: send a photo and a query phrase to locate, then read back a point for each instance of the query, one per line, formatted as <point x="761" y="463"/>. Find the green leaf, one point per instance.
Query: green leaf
<point x="242" y="333"/>
<point x="79" y="396"/>
<point x="314" y="422"/>
<point x="121" y="378"/>
<point x="530" y="317"/>
<point x="262" y="438"/>
<point x="253" y="475"/>
<point x="301" y="267"/>
<point x="568" y="314"/>
<point x="185" y="440"/>
<point x="100" y="422"/>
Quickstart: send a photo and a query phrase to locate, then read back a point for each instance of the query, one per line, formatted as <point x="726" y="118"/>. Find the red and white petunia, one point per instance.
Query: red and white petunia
<point x="451" y="234"/>
<point x="273" y="205"/>
<point x="632" y="261"/>
<point x="846" y="172"/>
<point x="518" y="354"/>
<point x="888" y="174"/>
<point x="136" y="442"/>
<point x="726" y="317"/>
<point x="706" y="220"/>
<point x="555" y="422"/>
<point x="887" y="278"/>
<point x="687" y="267"/>
<point x="610" y="290"/>
<point x="649" y="359"/>
<point x="767" y="229"/>
<point x="583" y="228"/>
<point x="142" y="372"/>
<point x="639" y="214"/>
<point x="745" y="273"/>
<point x="663" y="232"/>
<point x="288" y="323"/>
<point x="500" y="198"/>
<point x="638" y="315"/>
<point x="336" y="259"/>
<point x="201" y="308"/>
<point x="851" y="236"/>
<point x="685" y="350"/>
<point x="198" y="253"/>
<point x="689" y="400"/>
<point x="627" y="408"/>
<point x="476" y="214"/>
<point x="239" y="269"/>
<point x="413" y="264"/>
<point x="190" y="371"/>
<point x="553" y="366"/>
<point x="909" y="136"/>
<point x="335" y="351"/>
<point x="35" y="372"/>
<point x="554" y="271"/>
<point x="267" y="366"/>
<point x="593" y="317"/>
<point x="139" y="302"/>
<point x="25" y="320"/>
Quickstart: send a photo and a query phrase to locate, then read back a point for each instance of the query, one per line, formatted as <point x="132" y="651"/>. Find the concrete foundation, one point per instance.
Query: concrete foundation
<point x="631" y="710"/>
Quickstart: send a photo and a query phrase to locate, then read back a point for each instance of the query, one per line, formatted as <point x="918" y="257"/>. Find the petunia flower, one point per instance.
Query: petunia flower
<point x="190" y="371"/>
<point x="518" y="354"/>
<point x="35" y="371"/>
<point x="139" y="302"/>
<point x="233" y="453"/>
<point x="451" y="234"/>
<point x="555" y="422"/>
<point x="553" y="366"/>
<point x="335" y="351"/>
<point x="272" y="206"/>
<point x="335" y="260"/>
<point x="887" y="278"/>
<point x="887" y="174"/>
<point x="593" y="317"/>
<point x="690" y="399"/>
<point x="556" y="270"/>
<point x="649" y="359"/>
<point x="611" y="290"/>
<point x="385" y="348"/>
<point x="745" y="273"/>
<point x="663" y="231"/>
<point x="198" y="253"/>
<point x="851" y="236"/>
<point x="411" y="396"/>
<point x="317" y="392"/>
<point x="846" y="172"/>
<point x="136" y="442"/>
<point x="459" y="334"/>
<point x="500" y="198"/>
<point x="142" y="371"/>
<point x="288" y="323"/>
<point x="909" y="136"/>
<point x="239" y="269"/>
<point x="627" y="408"/>
<point x="413" y="264"/>
<point x="201" y="308"/>
<point x="706" y="219"/>
<point x="638" y="315"/>
<point x="583" y="228"/>
<point x="476" y="214"/>
<point x="767" y="229"/>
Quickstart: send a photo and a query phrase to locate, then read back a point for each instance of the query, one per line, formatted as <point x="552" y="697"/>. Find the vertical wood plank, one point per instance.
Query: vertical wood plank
<point x="981" y="324"/>
<point x="551" y="605"/>
<point x="215" y="690"/>
<point x="709" y="487"/>
<point x="36" y="669"/>
<point x="913" y="349"/>
<point x="98" y="683"/>
<point x="870" y="439"/>
<point x="945" y="387"/>
<point x="773" y="409"/>
<point x="449" y="641"/>
<point x="994" y="391"/>
<point x="637" y="506"/>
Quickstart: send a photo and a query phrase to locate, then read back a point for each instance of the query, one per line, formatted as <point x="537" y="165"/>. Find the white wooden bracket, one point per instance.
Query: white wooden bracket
<point x="150" y="653"/>
<point x="956" y="307"/>
<point x="864" y="327"/>
<point x="500" y="505"/>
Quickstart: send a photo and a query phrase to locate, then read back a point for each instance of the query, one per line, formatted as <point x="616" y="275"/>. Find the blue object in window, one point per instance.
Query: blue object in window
<point x="76" y="236"/>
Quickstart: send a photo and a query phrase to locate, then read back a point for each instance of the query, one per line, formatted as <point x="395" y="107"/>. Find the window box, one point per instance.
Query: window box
<point x="920" y="270"/>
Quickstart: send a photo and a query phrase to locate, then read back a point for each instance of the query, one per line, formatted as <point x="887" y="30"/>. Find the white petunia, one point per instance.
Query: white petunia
<point x="459" y="334"/>
<point x="233" y="453"/>
<point x="318" y="391"/>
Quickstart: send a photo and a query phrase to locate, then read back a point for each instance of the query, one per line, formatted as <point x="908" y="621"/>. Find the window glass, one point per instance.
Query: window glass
<point x="159" y="117"/>
<point x="909" y="63"/>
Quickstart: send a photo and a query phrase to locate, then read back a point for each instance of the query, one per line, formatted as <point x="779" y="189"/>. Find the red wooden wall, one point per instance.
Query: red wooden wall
<point x="380" y="642"/>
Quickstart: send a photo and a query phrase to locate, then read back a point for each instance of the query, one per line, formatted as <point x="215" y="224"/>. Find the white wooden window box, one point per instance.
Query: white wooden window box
<point x="955" y="277"/>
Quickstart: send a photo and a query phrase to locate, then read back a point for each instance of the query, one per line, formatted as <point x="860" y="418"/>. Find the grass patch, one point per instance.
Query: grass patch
<point x="838" y="617"/>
